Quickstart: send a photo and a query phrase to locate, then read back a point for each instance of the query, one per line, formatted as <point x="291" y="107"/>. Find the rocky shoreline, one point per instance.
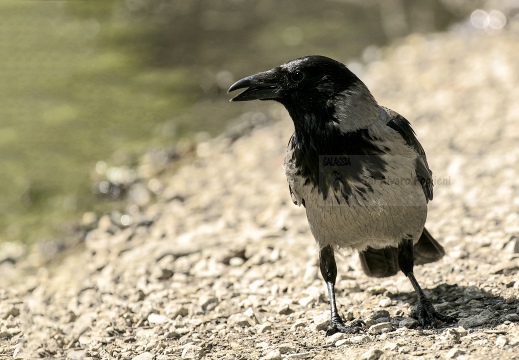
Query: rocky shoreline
<point x="221" y="264"/>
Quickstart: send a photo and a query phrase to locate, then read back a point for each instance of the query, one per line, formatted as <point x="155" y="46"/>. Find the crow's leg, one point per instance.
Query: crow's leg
<point x="425" y="312"/>
<point x="329" y="272"/>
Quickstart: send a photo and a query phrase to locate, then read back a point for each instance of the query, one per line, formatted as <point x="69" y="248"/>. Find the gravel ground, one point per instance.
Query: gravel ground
<point x="221" y="265"/>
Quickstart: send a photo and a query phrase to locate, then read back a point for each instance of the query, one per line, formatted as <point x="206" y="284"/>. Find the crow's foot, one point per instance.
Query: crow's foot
<point x="427" y="315"/>
<point x="337" y="325"/>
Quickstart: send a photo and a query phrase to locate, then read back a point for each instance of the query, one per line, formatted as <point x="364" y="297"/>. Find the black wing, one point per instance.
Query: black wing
<point x="423" y="173"/>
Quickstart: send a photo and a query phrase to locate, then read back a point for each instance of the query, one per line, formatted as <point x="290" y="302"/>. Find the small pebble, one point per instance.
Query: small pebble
<point x="341" y="342"/>
<point x="147" y="356"/>
<point x="208" y="303"/>
<point x="157" y="318"/>
<point x="286" y="348"/>
<point x="300" y="323"/>
<point x="263" y="328"/>
<point x="335" y="337"/>
<point x="501" y="341"/>
<point x="191" y="351"/>
<point x="454" y="353"/>
<point x="372" y="354"/>
<point x="303" y="355"/>
<point x="380" y="314"/>
<point x="239" y="320"/>
<point x="321" y="322"/>
<point x="380" y="328"/>
<point x="285" y="310"/>
<point x="384" y="302"/>
<point x="251" y="317"/>
<point x="272" y="355"/>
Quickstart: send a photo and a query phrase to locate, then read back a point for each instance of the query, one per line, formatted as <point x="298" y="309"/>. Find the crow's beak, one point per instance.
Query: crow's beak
<point x="261" y="86"/>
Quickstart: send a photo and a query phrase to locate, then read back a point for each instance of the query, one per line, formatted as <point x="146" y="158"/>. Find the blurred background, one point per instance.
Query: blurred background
<point x="89" y="88"/>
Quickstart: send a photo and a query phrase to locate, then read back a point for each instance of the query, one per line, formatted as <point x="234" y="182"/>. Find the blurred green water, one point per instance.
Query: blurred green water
<point x="83" y="81"/>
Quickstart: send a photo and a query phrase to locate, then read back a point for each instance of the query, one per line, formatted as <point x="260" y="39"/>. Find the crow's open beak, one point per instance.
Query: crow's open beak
<point x="261" y="86"/>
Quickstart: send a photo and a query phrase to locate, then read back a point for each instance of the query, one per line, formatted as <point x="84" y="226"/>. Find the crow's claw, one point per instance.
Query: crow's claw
<point x="337" y="325"/>
<point x="427" y="315"/>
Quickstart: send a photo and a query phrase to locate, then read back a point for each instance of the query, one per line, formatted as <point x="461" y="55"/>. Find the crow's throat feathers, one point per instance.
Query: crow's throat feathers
<point x="337" y="127"/>
<point x="365" y="160"/>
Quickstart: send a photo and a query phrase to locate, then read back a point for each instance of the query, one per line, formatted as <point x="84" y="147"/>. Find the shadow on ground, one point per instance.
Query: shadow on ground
<point x="472" y="306"/>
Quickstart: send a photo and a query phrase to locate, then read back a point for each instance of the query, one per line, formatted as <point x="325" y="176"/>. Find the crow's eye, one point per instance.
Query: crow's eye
<point x="297" y="76"/>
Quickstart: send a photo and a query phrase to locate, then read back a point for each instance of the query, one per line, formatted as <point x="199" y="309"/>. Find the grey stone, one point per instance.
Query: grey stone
<point x="300" y="323"/>
<point x="263" y="328"/>
<point x="473" y="292"/>
<point x="512" y="317"/>
<point x="341" y="342"/>
<point x="306" y="301"/>
<point x="454" y="353"/>
<point x="516" y="246"/>
<point x="13" y="311"/>
<point x="359" y="339"/>
<point x="191" y="351"/>
<point x="208" y="303"/>
<point x="380" y="328"/>
<point x="144" y="356"/>
<point x="376" y="290"/>
<point x="461" y="331"/>
<point x="372" y="354"/>
<point x="251" y="317"/>
<point x="303" y="355"/>
<point x="285" y="310"/>
<point x="272" y="355"/>
<point x="335" y="337"/>
<point x="321" y="322"/>
<point x="380" y="314"/>
<point x="76" y="354"/>
<point x="239" y="320"/>
<point x="286" y="348"/>
<point x="176" y="310"/>
<point x="409" y="323"/>
<point x="476" y="320"/>
<point x="391" y="346"/>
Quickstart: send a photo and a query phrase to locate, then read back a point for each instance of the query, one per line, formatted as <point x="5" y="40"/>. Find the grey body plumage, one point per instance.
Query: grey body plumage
<point x="381" y="216"/>
<point x="357" y="168"/>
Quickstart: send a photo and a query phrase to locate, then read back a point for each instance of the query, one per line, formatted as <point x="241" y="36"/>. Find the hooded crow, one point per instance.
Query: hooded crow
<point x="359" y="171"/>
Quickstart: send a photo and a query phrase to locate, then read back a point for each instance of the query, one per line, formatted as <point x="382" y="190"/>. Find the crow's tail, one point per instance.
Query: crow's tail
<point x="384" y="262"/>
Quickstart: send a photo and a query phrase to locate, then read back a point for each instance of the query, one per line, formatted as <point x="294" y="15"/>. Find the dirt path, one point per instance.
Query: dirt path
<point x="223" y="266"/>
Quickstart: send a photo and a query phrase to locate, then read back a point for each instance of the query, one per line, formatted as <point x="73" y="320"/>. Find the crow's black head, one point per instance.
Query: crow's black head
<point x="331" y="109"/>
<point x="316" y="91"/>
<point x="311" y="79"/>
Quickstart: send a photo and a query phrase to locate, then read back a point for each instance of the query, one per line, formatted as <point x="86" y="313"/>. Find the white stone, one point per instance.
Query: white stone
<point x="154" y="318"/>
